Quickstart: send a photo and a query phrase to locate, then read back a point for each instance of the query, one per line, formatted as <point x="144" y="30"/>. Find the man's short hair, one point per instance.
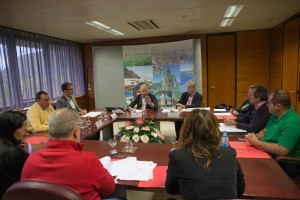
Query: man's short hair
<point x="65" y="85"/>
<point x="39" y="94"/>
<point x="281" y="97"/>
<point x="62" y="122"/>
<point x="260" y="91"/>
<point x="144" y="86"/>
<point x="192" y="83"/>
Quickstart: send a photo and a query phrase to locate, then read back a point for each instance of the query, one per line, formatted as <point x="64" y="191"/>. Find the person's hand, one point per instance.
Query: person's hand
<point x="180" y="105"/>
<point x="235" y="113"/>
<point x="251" y="138"/>
<point x="230" y="122"/>
<point x="148" y="100"/>
<point x="83" y="112"/>
<point x="22" y="144"/>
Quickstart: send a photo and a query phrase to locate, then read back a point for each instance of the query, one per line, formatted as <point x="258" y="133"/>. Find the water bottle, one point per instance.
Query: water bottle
<point x="225" y="139"/>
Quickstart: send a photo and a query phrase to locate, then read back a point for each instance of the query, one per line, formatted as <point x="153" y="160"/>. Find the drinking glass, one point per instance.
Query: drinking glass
<point x="129" y="146"/>
<point x="112" y="142"/>
<point x="174" y="144"/>
<point x="83" y="123"/>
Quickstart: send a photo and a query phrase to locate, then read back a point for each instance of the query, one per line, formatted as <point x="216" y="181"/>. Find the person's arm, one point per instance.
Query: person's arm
<point x="105" y="183"/>
<point x="273" y="148"/>
<point x="61" y="103"/>
<point x="133" y="102"/>
<point x="241" y="185"/>
<point x="171" y="184"/>
<point x="154" y="102"/>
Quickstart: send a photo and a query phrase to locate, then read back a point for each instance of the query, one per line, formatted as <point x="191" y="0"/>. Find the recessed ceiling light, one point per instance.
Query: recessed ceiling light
<point x="97" y="25"/>
<point x="227" y="22"/>
<point x="233" y="10"/>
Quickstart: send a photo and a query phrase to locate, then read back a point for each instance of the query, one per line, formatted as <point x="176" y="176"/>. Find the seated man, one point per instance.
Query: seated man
<point x="144" y="100"/>
<point x="67" y="100"/>
<point x="189" y="99"/>
<point x="38" y="114"/>
<point x="282" y="133"/>
<point x="256" y="119"/>
<point x="64" y="162"/>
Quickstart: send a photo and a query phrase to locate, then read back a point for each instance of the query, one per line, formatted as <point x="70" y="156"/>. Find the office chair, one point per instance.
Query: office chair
<point x="296" y="179"/>
<point x="36" y="190"/>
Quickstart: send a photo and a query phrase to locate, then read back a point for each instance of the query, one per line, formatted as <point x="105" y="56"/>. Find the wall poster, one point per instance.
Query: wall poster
<point x="165" y="67"/>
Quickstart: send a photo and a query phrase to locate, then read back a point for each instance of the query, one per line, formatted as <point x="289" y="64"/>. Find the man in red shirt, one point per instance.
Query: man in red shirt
<point x="64" y="162"/>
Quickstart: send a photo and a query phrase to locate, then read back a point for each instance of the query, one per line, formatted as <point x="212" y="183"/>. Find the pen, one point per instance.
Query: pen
<point x="241" y="139"/>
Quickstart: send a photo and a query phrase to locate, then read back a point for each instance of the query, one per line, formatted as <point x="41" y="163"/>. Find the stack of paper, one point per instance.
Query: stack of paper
<point x="200" y="108"/>
<point x="129" y="169"/>
<point x="231" y="129"/>
<point x="92" y="114"/>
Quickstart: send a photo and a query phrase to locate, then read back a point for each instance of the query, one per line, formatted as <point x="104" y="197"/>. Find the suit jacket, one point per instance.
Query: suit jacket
<point x="138" y="101"/>
<point x="223" y="180"/>
<point x="64" y="103"/>
<point x="254" y="120"/>
<point x="196" y="102"/>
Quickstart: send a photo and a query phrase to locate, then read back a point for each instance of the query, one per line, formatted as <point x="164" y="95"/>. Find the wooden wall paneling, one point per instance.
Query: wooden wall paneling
<point x="204" y="70"/>
<point x="221" y="69"/>
<point x="253" y="49"/>
<point x="88" y="66"/>
<point x="81" y="101"/>
<point x="290" y="59"/>
<point x="276" y="51"/>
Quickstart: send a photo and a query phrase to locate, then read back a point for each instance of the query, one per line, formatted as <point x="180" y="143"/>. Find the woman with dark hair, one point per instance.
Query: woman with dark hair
<point x="203" y="169"/>
<point x="12" y="156"/>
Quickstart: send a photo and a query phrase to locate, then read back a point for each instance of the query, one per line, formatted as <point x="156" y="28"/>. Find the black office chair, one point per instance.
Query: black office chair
<point x="295" y="179"/>
<point x="36" y="190"/>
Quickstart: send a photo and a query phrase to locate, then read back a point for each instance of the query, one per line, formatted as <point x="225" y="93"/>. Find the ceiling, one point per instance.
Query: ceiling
<point x="66" y="18"/>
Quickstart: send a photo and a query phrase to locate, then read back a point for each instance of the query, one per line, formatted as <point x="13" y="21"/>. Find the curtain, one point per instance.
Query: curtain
<point x="30" y="63"/>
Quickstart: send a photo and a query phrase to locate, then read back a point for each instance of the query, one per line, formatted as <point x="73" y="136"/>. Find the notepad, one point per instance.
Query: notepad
<point x="245" y="150"/>
<point x="36" y="140"/>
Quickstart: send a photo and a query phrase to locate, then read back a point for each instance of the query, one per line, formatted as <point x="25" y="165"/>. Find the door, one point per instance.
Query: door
<point x="221" y="69"/>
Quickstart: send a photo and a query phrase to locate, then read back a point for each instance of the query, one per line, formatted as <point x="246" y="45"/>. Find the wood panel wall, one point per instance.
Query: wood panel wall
<point x="276" y="48"/>
<point x="253" y="50"/>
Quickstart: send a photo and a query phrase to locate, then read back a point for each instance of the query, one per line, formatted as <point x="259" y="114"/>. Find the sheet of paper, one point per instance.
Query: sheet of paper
<point x="92" y="114"/>
<point x="200" y="108"/>
<point x="159" y="178"/>
<point x="36" y="140"/>
<point x="219" y="110"/>
<point x="231" y="129"/>
<point x="242" y="145"/>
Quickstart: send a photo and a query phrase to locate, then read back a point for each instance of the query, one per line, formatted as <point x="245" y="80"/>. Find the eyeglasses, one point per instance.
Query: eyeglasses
<point x="70" y="89"/>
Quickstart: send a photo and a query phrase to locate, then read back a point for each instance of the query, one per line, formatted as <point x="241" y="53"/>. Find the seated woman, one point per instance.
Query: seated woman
<point x="12" y="156"/>
<point x="203" y="169"/>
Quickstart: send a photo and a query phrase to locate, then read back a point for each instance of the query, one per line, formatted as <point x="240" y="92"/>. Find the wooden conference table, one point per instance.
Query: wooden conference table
<point x="264" y="177"/>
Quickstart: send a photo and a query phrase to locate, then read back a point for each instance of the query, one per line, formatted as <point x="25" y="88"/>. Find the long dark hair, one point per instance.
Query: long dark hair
<point x="9" y="123"/>
<point x="200" y="135"/>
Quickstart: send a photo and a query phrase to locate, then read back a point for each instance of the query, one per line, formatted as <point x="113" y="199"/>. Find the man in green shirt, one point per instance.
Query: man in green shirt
<point x="281" y="135"/>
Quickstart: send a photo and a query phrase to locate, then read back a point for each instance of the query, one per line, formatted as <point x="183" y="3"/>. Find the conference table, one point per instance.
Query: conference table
<point x="264" y="177"/>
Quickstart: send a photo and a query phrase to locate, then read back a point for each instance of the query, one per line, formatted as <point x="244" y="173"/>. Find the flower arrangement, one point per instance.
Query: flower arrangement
<point x="140" y="130"/>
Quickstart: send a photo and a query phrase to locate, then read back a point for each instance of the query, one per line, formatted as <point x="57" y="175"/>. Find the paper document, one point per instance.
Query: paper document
<point x="167" y="110"/>
<point x="200" y="108"/>
<point x="232" y="129"/>
<point x="92" y="114"/>
<point x="118" y="111"/>
<point x="219" y="110"/>
<point x="129" y="169"/>
<point x="245" y="150"/>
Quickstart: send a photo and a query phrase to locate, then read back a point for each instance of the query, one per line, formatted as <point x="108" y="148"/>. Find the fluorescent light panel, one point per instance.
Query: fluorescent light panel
<point x="226" y="22"/>
<point x="104" y="27"/>
<point x="233" y="10"/>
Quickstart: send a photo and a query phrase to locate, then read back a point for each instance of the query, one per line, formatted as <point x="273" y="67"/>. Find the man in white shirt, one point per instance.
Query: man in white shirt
<point x="67" y="100"/>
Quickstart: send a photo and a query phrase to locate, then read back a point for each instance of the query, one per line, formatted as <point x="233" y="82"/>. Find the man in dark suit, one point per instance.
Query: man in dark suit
<point x="144" y="100"/>
<point x="67" y="100"/>
<point x="189" y="99"/>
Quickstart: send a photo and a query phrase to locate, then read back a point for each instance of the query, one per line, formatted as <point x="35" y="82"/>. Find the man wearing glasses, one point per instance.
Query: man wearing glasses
<point x="67" y="100"/>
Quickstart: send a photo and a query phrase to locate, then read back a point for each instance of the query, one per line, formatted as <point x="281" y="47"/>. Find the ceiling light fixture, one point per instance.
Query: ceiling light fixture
<point x="227" y="22"/>
<point x="104" y="27"/>
<point x="233" y="10"/>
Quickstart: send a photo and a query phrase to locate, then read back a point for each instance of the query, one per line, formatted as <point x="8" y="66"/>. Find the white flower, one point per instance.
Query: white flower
<point x="154" y="134"/>
<point x="145" y="138"/>
<point x="135" y="138"/>
<point x="136" y="129"/>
